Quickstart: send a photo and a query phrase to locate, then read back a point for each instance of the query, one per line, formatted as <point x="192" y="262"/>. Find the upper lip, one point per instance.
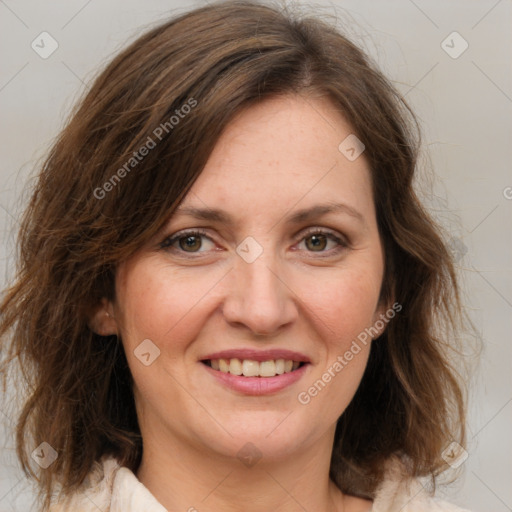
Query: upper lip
<point x="258" y="355"/>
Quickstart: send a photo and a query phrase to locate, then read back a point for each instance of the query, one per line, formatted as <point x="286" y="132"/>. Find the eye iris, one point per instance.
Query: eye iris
<point x="317" y="241"/>
<point x="189" y="242"/>
<point x="193" y="242"/>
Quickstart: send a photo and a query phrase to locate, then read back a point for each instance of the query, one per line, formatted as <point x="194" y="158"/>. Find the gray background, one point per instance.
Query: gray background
<point x="464" y="104"/>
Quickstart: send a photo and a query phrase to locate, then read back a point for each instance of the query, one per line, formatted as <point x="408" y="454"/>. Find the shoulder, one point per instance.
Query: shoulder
<point x="400" y="492"/>
<point x="109" y="487"/>
<point x="95" y="492"/>
<point x="113" y="488"/>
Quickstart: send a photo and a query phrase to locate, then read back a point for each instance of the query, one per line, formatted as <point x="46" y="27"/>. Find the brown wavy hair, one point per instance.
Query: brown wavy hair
<point x="77" y="228"/>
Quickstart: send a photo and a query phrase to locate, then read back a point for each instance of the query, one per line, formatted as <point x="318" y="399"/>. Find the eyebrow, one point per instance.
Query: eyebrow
<point x="300" y="216"/>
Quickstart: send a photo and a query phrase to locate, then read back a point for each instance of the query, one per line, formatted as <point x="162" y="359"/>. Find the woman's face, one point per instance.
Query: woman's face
<point x="272" y="281"/>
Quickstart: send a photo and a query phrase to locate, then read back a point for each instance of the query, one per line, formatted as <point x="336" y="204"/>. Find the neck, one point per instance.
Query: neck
<point x="193" y="479"/>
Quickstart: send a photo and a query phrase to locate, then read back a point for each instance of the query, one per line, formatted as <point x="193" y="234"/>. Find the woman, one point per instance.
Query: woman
<point x="229" y="296"/>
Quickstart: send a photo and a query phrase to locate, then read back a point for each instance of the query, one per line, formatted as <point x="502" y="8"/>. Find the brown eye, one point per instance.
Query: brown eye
<point x="317" y="242"/>
<point x="324" y="243"/>
<point x="190" y="243"/>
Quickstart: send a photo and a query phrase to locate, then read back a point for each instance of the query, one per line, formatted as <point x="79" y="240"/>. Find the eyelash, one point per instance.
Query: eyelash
<point x="169" y="241"/>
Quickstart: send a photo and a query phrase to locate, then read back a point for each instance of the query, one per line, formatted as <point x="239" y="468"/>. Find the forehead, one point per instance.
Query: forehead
<point x="283" y="154"/>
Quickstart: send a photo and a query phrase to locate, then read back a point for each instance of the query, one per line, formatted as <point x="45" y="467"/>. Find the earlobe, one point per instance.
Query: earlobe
<point x="102" y="321"/>
<point x="383" y="314"/>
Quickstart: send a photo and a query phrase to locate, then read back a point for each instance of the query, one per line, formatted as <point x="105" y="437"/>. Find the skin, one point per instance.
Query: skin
<point x="275" y="158"/>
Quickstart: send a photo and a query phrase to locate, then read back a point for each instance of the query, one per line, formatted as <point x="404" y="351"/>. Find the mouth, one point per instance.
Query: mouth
<point x="252" y="368"/>
<point x="256" y="372"/>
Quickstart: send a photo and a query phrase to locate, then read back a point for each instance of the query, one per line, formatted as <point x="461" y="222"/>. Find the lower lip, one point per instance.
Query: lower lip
<point x="257" y="385"/>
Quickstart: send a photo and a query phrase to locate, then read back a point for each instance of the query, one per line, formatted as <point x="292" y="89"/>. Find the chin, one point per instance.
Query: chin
<point x="268" y="437"/>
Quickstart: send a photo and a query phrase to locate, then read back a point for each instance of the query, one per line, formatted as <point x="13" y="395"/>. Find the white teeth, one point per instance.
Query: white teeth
<point x="224" y="365"/>
<point x="267" y="369"/>
<point x="251" y="368"/>
<point x="235" y="367"/>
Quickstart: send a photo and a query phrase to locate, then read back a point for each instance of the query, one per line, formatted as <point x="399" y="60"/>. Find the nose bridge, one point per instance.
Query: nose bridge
<point x="257" y="297"/>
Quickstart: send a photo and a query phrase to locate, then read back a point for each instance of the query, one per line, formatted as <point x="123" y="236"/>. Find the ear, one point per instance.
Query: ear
<point x="385" y="312"/>
<point x="102" y="320"/>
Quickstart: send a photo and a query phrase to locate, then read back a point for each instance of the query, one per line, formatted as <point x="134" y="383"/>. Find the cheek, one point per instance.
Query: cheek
<point x="169" y="309"/>
<point x="154" y="303"/>
<point x="159" y="304"/>
<point x="342" y="308"/>
<point x="342" y="303"/>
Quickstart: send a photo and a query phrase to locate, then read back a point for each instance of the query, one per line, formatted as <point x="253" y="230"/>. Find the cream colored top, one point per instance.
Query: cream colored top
<point x="112" y="488"/>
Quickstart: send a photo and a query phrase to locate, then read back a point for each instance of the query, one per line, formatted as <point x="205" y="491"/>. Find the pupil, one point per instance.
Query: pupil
<point x="191" y="242"/>
<point x="317" y="240"/>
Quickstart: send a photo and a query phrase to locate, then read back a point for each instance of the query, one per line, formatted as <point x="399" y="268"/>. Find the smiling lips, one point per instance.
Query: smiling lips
<point x="257" y="371"/>
<point x="251" y="368"/>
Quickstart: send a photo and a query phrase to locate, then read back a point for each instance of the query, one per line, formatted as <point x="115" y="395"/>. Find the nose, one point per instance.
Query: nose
<point x="259" y="299"/>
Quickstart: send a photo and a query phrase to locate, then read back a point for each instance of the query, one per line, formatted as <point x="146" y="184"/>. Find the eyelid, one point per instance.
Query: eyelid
<point x="343" y="243"/>
<point x="183" y="233"/>
<point x="324" y="231"/>
<point x="301" y="235"/>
